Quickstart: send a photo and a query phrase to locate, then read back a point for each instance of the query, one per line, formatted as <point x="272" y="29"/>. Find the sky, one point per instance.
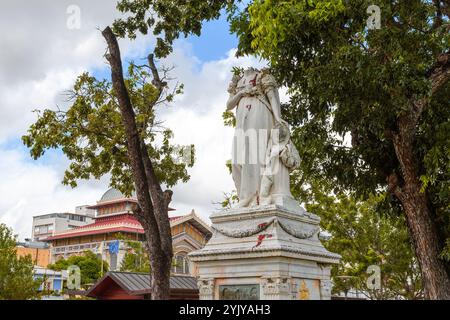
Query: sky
<point x="41" y="55"/>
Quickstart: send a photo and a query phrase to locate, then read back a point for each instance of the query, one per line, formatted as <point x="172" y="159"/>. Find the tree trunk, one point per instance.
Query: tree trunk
<point x="153" y="203"/>
<point x="427" y="246"/>
<point x="160" y="266"/>
<point x="422" y="227"/>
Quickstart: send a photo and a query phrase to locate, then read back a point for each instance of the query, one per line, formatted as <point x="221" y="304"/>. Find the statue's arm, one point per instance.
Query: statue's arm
<point x="234" y="100"/>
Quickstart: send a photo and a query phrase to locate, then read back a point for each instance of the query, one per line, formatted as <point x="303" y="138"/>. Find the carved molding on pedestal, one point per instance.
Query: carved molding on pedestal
<point x="206" y="289"/>
<point x="276" y="288"/>
<point x="297" y="233"/>
<point x="242" y="233"/>
<point x="289" y="228"/>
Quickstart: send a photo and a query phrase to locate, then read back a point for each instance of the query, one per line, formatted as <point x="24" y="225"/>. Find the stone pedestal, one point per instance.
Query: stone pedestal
<point x="265" y="252"/>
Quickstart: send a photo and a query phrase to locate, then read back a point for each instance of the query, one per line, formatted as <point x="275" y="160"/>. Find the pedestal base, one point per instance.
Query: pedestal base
<point x="265" y="252"/>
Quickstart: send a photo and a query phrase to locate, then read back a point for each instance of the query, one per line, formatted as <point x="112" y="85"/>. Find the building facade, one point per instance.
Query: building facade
<point x="47" y="225"/>
<point x="114" y="225"/>
<point x="40" y="256"/>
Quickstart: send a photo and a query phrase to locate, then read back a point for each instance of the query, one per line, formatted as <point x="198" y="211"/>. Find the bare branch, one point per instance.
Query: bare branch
<point x="157" y="82"/>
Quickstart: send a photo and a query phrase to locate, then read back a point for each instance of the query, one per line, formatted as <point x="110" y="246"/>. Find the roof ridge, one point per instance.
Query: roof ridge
<point x="148" y="274"/>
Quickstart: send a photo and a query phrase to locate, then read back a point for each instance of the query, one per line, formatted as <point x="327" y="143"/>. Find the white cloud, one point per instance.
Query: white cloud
<point x="40" y="57"/>
<point x="29" y="188"/>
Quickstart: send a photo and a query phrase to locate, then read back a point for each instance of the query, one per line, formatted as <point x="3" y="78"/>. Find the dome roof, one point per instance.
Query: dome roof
<point x="114" y="194"/>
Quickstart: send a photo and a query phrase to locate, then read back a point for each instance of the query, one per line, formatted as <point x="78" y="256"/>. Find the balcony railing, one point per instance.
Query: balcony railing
<point x="93" y="246"/>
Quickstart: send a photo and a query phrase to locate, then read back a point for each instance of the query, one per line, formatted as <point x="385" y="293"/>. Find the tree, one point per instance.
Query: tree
<point x="16" y="273"/>
<point x="111" y="128"/>
<point x="136" y="259"/>
<point x="153" y="202"/>
<point x="369" y="106"/>
<point x="365" y="238"/>
<point x="91" y="266"/>
<point x="386" y="90"/>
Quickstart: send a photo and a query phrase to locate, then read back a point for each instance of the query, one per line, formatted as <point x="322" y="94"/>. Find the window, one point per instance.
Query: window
<point x="180" y="264"/>
<point x="48" y="228"/>
<point x="77" y="218"/>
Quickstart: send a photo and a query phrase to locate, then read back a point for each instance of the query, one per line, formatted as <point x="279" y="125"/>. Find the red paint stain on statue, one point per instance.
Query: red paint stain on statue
<point x="260" y="239"/>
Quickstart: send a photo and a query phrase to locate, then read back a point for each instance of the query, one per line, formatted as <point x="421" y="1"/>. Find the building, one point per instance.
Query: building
<point x="47" y="225"/>
<point x="136" y="286"/>
<point x="52" y="281"/>
<point x="114" y="225"/>
<point x="39" y="252"/>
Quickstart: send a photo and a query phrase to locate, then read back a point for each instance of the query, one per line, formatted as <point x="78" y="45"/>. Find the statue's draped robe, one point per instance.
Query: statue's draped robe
<point x="254" y="122"/>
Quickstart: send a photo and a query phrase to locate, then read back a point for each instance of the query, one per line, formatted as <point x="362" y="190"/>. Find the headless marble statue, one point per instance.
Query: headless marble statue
<point x="263" y="153"/>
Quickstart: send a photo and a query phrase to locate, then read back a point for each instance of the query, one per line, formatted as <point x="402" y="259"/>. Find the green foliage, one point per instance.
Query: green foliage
<point x="167" y="19"/>
<point x="89" y="263"/>
<point x="16" y="273"/>
<point x="90" y="133"/>
<point x="281" y="17"/>
<point x="136" y="259"/>
<point x="364" y="238"/>
<point x="230" y="199"/>
<point x="229" y="118"/>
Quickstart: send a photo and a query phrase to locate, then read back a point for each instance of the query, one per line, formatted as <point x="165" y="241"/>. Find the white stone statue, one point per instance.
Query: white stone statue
<point x="268" y="224"/>
<point x="262" y="153"/>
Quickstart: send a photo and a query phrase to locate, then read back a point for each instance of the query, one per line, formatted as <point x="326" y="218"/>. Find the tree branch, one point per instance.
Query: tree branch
<point x="438" y="18"/>
<point x="393" y="183"/>
<point x="157" y="82"/>
<point x="439" y="74"/>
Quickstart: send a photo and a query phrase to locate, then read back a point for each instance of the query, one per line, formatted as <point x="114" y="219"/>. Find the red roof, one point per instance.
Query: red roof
<point x="119" y="223"/>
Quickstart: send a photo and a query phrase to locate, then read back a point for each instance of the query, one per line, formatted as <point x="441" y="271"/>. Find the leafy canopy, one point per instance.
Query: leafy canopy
<point x="89" y="263"/>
